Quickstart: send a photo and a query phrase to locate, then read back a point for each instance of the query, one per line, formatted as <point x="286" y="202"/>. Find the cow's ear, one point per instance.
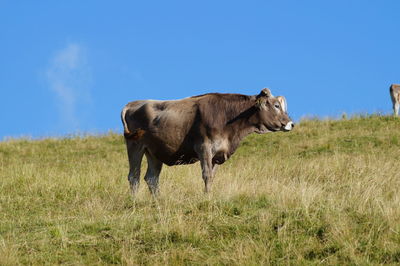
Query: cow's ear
<point x="265" y="92"/>
<point x="282" y="101"/>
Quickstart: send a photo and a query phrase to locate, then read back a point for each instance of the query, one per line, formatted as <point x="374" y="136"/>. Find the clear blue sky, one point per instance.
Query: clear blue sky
<point x="70" y="66"/>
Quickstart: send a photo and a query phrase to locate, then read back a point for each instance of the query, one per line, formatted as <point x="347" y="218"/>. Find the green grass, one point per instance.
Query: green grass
<point x="328" y="192"/>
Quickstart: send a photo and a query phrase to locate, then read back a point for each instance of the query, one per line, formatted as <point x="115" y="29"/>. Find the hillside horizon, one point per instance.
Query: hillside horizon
<point x="119" y="130"/>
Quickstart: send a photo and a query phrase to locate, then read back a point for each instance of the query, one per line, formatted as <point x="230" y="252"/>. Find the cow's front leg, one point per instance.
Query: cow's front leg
<point x="206" y="169"/>
<point x="205" y="156"/>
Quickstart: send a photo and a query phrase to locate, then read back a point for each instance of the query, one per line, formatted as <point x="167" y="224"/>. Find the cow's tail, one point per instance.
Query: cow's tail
<point x="127" y="133"/>
<point x="133" y="134"/>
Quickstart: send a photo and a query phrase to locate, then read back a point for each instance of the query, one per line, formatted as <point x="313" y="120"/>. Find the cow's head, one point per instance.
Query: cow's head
<point x="272" y="113"/>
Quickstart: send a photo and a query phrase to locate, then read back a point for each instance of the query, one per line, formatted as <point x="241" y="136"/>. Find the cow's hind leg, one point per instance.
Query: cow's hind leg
<point x="154" y="167"/>
<point x="135" y="155"/>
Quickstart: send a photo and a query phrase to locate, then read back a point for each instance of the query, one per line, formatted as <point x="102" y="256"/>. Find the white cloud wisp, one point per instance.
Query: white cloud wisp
<point x="69" y="77"/>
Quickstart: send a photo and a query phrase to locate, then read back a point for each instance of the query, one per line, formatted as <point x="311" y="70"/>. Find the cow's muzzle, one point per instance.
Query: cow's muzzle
<point x="289" y="126"/>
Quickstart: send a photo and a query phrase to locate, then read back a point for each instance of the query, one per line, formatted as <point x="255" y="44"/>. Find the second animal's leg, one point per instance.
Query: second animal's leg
<point x="135" y="155"/>
<point x="153" y="172"/>
<point x="396" y="102"/>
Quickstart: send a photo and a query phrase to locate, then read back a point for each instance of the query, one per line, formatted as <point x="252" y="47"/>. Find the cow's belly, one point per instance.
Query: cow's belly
<point x="174" y="156"/>
<point x="178" y="158"/>
<point x="185" y="154"/>
<point x="183" y="159"/>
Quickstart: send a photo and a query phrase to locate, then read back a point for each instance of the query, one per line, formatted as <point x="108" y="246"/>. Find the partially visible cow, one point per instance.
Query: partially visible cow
<point x="395" y="95"/>
<point x="206" y="128"/>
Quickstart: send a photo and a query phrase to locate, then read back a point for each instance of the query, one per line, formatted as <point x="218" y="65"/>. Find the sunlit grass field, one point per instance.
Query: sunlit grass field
<point x="328" y="192"/>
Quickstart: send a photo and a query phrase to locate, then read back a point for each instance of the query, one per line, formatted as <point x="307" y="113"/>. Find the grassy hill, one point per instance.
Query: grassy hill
<point x="327" y="192"/>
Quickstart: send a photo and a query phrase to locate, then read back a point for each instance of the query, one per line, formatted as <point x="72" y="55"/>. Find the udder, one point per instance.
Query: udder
<point x="220" y="158"/>
<point x="220" y="148"/>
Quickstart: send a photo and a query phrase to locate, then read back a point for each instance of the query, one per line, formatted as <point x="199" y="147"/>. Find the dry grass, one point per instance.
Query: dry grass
<point x="325" y="193"/>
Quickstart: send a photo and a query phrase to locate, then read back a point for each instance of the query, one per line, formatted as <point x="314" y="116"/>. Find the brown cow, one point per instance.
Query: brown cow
<point x="206" y="128"/>
<point x="395" y="95"/>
